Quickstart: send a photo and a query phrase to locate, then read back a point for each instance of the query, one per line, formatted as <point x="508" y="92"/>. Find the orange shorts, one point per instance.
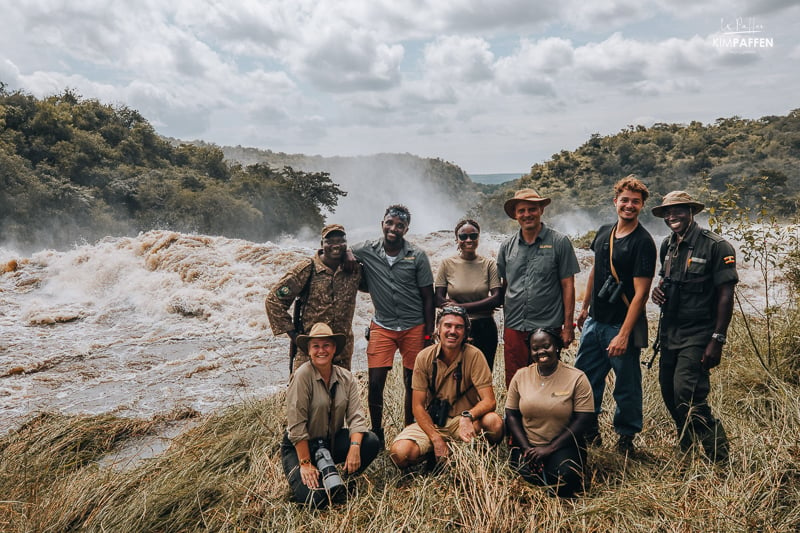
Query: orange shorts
<point x="383" y="343"/>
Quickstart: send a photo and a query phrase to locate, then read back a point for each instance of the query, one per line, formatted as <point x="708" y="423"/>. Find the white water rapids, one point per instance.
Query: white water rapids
<point x="163" y="321"/>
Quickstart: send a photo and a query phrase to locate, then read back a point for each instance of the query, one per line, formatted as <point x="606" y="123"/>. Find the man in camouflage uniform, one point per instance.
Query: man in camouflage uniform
<point x="698" y="275"/>
<point x="331" y="294"/>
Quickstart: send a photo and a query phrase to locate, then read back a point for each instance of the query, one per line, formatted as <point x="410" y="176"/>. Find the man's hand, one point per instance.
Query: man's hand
<point x="658" y="296"/>
<point x="440" y="449"/>
<point x="712" y="355"/>
<point x="618" y="345"/>
<point x="568" y="334"/>
<point x="349" y="262"/>
<point x="466" y="429"/>
<point x="584" y="314"/>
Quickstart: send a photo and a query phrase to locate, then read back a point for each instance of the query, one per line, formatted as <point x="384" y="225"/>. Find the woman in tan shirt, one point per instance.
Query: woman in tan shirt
<point x="323" y="409"/>
<point x="471" y="281"/>
<point x="549" y="407"/>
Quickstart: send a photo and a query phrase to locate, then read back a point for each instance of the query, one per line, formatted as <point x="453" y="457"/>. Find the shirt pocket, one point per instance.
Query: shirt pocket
<point x="543" y="262"/>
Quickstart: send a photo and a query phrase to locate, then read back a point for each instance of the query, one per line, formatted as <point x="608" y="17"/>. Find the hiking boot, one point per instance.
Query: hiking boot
<point x="715" y="444"/>
<point x="625" y="445"/>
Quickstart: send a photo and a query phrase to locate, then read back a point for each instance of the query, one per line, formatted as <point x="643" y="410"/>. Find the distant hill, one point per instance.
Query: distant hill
<point x="753" y="154"/>
<point x="495" y="179"/>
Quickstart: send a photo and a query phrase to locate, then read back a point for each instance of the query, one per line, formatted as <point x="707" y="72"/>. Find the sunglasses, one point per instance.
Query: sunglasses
<point x="465" y="236"/>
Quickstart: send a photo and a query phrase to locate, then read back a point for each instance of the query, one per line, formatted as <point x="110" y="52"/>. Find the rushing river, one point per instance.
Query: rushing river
<point x="163" y="321"/>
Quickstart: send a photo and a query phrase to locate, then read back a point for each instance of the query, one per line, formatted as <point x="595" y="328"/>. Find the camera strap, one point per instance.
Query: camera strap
<point x="611" y="263"/>
<point x="457" y="373"/>
<point x="332" y="394"/>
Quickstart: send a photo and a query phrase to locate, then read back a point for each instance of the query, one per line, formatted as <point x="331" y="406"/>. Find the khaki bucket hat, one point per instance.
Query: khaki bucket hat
<point x="677" y="198"/>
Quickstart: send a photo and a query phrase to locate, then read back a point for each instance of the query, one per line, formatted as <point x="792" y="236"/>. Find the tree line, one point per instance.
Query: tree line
<point x="700" y="158"/>
<point x="76" y="169"/>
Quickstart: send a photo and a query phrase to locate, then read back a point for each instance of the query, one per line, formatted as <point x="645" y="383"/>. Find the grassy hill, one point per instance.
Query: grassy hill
<point x="669" y="157"/>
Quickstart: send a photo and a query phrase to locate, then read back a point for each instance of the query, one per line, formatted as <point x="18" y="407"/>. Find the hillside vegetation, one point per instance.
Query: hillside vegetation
<point x="666" y="157"/>
<point x="74" y="168"/>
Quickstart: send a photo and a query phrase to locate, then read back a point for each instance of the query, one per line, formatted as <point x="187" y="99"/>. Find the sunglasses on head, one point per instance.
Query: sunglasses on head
<point x="471" y="236"/>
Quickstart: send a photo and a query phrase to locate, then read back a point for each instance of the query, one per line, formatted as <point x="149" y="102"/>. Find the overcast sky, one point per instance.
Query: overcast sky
<point x="491" y="85"/>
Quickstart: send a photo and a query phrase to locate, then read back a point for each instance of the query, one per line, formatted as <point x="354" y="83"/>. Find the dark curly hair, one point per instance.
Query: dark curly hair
<point x="464" y="222"/>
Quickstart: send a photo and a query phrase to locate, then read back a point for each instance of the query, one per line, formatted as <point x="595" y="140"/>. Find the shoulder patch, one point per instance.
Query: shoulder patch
<point x="729" y="260"/>
<point x="283" y="291"/>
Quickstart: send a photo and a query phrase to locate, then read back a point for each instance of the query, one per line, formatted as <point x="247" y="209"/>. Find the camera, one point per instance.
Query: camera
<point x="331" y="479"/>
<point x="610" y="291"/>
<point x="439" y="410"/>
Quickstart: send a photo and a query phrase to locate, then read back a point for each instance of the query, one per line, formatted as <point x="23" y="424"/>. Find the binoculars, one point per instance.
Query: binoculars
<point x="611" y="291"/>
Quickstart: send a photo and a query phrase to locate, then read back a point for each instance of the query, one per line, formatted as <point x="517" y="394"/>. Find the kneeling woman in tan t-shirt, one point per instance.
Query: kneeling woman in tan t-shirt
<point x="549" y="406"/>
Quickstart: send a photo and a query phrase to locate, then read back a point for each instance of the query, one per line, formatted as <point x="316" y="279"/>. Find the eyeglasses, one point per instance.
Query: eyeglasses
<point x="471" y="236"/>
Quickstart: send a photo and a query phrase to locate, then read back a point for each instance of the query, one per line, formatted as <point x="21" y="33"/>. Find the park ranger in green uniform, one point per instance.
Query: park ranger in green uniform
<point x="698" y="276"/>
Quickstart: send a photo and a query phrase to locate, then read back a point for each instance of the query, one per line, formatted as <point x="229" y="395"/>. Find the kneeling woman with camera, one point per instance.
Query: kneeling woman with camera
<point x="322" y="400"/>
<point x="549" y="407"/>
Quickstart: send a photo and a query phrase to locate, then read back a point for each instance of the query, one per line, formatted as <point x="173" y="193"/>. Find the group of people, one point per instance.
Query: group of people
<point x="551" y="408"/>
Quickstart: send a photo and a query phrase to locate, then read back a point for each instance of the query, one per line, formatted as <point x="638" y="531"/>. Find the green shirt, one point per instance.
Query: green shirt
<point x="533" y="273"/>
<point x="395" y="289"/>
<point x="699" y="263"/>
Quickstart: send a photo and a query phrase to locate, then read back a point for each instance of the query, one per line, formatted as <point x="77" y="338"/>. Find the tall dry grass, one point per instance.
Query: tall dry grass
<point x="57" y="474"/>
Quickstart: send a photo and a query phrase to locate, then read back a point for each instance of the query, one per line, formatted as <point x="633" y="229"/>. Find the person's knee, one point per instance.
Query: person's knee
<point x="404" y="453"/>
<point x="492" y="425"/>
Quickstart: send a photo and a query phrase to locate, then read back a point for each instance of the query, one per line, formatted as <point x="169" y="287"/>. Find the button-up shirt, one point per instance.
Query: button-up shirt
<point x="533" y="273"/>
<point x="395" y="289"/>
<point x="315" y="410"/>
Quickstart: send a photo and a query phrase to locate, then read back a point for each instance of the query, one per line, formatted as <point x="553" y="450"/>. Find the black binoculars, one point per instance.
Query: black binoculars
<point x="610" y="291"/>
<point x="439" y="410"/>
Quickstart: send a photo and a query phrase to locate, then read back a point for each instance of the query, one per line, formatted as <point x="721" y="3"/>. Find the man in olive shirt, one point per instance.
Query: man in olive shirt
<point x="461" y="378"/>
<point x="538" y="267"/>
<point x="399" y="280"/>
<point x="698" y="276"/>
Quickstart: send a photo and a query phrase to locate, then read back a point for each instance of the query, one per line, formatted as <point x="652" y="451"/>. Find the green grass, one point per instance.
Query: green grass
<point x="224" y="474"/>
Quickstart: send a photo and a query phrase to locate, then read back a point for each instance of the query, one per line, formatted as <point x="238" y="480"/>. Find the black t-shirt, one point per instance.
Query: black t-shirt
<point x="634" y="257"/>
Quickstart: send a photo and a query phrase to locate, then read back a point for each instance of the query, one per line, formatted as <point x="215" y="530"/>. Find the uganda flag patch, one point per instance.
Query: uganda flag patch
<point x="729" y="260"/>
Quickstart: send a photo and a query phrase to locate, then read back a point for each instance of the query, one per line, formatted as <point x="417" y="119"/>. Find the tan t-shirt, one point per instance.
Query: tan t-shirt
<point x="547" y="402"/>
<point x="475" y="375"/>
<point x="468" y="281"/>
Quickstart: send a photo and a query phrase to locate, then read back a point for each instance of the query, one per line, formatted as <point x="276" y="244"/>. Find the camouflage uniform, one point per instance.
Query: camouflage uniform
<point x="331" y="299"/>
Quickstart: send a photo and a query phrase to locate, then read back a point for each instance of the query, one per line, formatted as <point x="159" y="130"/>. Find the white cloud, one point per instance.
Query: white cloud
<point x="455" y="59"/>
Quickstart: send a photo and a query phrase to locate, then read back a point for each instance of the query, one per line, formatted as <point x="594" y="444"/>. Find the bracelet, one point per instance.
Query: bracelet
<point x="305" y="462"/>
<point x="354" y="443"/>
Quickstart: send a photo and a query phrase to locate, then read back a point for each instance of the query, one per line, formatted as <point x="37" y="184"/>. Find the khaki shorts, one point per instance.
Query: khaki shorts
<point x="383" y="343"/>
<point x="415" y="433"/>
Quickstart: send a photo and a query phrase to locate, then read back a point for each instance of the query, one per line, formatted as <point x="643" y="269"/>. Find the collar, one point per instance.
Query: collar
<point x="318" y="376"/>
<point x="404" y="251"/>
<point x="437" y="356"/>
<point x="543" y="233"/>
<point x="691" y="235"/>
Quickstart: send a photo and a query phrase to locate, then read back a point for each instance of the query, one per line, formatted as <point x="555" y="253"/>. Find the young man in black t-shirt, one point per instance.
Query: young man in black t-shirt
<point x="613" y="320"/>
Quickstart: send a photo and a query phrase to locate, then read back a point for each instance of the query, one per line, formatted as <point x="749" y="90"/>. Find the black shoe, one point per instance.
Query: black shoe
<point x="625" y="445"/>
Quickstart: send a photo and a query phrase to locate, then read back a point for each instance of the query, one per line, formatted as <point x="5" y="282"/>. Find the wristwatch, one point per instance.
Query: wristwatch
<point x="467" y="414"/>
<point x="719" y="337"/>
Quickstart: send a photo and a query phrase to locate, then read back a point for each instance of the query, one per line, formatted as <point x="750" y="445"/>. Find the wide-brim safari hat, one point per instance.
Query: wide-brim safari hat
<point x="320" y="330"/>
<point x="677" y="198"/>
<point x="523" y="195"/>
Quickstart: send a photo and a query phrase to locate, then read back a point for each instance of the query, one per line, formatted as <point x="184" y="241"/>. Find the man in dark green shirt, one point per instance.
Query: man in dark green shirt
<point x="698" y="276"/>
